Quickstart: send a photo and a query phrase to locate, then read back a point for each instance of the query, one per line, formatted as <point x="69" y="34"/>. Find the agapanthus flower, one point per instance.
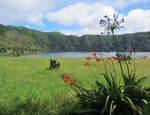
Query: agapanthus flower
<point x="111" y="25"/>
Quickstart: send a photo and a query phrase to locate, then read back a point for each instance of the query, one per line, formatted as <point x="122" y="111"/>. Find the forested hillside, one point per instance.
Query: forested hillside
<point x="20" y="40"/>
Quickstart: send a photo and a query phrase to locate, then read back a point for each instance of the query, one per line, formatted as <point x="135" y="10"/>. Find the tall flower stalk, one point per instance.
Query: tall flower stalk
<point x="110" y="25"/>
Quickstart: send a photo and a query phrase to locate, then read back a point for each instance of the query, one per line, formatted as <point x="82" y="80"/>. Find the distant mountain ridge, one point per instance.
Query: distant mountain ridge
<point x="12" y="37"/>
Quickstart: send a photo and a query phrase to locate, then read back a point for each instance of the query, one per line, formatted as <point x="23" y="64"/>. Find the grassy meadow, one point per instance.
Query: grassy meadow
<point x="28" y="87"/>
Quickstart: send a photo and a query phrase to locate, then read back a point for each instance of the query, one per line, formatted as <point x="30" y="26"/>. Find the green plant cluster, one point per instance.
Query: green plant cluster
<point x="116" y="96"/>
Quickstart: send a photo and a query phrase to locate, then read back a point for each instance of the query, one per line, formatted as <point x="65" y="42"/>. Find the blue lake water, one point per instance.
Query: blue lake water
<point x="80" y="54"/>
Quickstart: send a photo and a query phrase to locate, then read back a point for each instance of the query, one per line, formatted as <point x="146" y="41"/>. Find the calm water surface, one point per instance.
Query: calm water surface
<point x="80" y="54"/>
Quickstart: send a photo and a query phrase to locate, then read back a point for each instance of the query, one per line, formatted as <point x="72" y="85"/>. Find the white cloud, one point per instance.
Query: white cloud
<point x="137" y="20"/>
<point x="80" y="13"/>
<point x="120" y="4"/>
<point x="24" y="10"/>
<point x="86" y="15"/>
<point x="35" y="19"/>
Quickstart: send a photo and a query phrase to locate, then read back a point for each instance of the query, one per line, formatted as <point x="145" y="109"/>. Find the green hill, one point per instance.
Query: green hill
<point x="19" y="40"/>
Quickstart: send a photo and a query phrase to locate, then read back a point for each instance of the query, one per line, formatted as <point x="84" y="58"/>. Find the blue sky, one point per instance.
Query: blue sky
<point x="77" y="17"/>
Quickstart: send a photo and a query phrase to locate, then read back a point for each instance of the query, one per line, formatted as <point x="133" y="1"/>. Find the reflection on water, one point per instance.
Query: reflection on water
<point x="80" y="54"/>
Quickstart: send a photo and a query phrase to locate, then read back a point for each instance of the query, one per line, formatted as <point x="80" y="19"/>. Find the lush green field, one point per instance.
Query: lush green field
<point x="27" y="86"/>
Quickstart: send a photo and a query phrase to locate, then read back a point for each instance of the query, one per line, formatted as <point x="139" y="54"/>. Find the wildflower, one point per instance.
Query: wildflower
<point x="88" y="58"/>
<point x="115" y="58"/>
<point x="97" y="59"/>
<point x="64" y="74"/>
<point x="66" y="77"/>
<point x="94" y="54"/>
<point x="73" y="82"/>
<point x="110" y="25"/>
<point x="87" y="64"/>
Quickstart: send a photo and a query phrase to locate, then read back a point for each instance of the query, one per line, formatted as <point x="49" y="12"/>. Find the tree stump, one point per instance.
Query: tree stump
<point x="54" y="64"/>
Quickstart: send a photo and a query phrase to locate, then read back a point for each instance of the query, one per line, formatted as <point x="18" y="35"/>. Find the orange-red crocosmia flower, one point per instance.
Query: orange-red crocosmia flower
<point x="115" y="58"/>
<point x="88" y="58"/>
<point x="94" y="53"/>
<point x="87" y="64"/>
<point x="73" y="82"/>
<point x="64" y="74"/>
<point x="66" y="77"/>
<point x="97" y="59"/>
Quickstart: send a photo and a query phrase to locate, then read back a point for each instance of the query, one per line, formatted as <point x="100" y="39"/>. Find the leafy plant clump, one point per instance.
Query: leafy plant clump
<point x="113" y="97"/>
<point x="125" y="96"/>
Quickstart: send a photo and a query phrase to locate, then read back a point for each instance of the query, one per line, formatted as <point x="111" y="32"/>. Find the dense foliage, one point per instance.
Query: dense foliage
<point x="125" y="96"/>
<point x="23" y="40"/>
<point x="115" y="96"/>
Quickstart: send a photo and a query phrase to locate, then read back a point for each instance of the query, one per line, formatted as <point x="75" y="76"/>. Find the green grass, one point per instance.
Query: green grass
<point x="24" y="78"/>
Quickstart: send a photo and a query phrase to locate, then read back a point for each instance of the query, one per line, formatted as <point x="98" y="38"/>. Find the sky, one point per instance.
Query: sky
<point x="77" y="17"/>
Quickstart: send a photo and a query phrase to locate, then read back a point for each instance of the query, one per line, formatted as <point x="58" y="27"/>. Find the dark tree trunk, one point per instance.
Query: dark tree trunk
<point x="54" y="64"/>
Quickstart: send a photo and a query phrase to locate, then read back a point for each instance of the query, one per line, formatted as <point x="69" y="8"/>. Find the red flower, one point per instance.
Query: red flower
<point x="87" y="64"/>
<point x="97" y="59"/>
<point x="115" y="58"/>
<point x="66" y="77"/>
<point x="94" y="53"/>
<point x="73" y="82"/>
<point x="88" y="58"/>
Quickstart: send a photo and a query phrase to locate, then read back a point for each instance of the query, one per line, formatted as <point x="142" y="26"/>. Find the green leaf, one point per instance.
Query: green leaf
<point x="130" y="103"/>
